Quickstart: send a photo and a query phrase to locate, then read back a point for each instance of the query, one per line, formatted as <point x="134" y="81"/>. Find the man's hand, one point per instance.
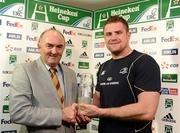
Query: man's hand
<point x="72" y="115"/>
<point x="80" y="118"/>
<point x="68" y="114"/>
<point x="88" y="110"/>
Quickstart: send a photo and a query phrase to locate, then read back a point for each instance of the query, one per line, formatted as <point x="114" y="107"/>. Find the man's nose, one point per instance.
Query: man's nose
<point x="114" y="36"/>
<point x="54" y="50"/>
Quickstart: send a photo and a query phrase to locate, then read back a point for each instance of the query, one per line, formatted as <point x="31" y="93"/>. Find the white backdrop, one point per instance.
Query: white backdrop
<point x="84" y="53"/>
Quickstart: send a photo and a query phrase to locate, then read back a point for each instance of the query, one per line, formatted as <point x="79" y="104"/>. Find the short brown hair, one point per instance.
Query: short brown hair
<point x="115" y="19"/>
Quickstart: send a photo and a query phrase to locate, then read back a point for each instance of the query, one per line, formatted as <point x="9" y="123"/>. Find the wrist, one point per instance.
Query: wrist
<point x="101" y="112"/>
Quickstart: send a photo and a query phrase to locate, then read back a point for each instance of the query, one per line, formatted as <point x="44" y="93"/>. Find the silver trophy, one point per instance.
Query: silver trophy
<point x="86" y="86"/>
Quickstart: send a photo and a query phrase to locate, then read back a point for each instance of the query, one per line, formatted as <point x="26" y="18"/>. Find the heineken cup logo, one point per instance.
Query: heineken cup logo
<point x="40" y="10"/>
<point x="173" y="4"/>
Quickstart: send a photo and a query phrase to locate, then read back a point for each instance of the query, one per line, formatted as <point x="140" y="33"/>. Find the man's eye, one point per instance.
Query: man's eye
<point x="60" y="46"/>
<point x="118" y="32"/>
<point x="108" y="34"/>
<point x="49" y="46"/>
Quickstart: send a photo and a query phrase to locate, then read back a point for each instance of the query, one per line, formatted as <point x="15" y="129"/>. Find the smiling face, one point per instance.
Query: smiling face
<point x="51" y="47"/>
<point x="117" y="37"/>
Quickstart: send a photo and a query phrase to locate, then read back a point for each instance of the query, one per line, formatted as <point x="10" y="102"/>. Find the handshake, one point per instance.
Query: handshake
<point x="80" y="113"/>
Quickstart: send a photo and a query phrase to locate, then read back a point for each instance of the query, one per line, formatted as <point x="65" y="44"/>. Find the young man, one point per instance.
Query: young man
<point x="34" y="101"/>
<point x="128" y="85"/>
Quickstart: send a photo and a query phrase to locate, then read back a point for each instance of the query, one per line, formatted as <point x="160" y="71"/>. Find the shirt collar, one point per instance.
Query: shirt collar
<point x="58" y="67"/>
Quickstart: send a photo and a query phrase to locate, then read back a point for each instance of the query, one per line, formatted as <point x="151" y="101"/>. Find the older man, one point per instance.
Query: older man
<point x="42" y="99"/>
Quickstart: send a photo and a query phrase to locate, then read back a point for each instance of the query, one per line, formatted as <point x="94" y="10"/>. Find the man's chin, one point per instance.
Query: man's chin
<point x="53" y="64"/>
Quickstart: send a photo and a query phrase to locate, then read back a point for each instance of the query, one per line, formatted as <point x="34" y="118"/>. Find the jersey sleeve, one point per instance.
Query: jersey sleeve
<point x="147" y="75"/>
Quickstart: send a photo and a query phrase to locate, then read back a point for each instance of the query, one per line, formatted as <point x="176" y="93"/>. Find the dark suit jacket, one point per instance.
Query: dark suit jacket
<point x="34" y="101"/>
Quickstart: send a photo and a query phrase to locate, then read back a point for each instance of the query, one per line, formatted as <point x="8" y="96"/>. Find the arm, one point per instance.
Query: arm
<point x="96" y="98"/>
<point x="29" y="105"/>
<point x="144" y="109"/>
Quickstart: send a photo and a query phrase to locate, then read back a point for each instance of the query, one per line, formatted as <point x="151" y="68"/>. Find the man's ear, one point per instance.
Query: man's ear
<point x="38" y="46"/>
<point x="129" y="34"/>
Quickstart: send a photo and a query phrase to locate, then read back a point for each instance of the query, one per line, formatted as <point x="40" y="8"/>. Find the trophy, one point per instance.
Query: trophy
<point x="86" y="86"/>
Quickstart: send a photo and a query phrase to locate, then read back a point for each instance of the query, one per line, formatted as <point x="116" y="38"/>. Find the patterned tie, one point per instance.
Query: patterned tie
<point x="57" y="85"/>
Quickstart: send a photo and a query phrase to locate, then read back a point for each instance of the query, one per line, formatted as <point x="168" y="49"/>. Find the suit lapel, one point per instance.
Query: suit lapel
<point x="68" y="87"/>
<point x="66" y="92"/>
<point x="42" y="69"/>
